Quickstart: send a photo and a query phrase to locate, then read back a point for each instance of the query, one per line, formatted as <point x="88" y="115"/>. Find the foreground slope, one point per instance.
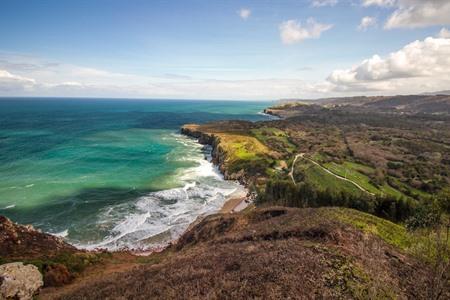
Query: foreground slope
<point x="58" y="261"/>
<point x="275" y="253"/>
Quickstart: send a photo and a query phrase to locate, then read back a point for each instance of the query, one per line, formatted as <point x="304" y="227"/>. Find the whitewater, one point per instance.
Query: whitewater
<point x="158" y="218"/>
<point x="111" y="173"/>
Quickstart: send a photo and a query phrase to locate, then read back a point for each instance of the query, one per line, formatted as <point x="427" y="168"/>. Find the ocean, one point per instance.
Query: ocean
<point x="111" y="173"/>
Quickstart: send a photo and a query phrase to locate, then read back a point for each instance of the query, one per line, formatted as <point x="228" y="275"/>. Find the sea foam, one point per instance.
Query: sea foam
<point x="156" y="219"/>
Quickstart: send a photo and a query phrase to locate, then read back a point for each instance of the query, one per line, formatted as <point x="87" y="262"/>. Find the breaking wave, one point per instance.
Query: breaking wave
<point x="156" y="219"/>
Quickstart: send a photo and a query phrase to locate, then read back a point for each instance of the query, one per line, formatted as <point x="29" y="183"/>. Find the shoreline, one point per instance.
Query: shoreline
<point x="236" y="202"/>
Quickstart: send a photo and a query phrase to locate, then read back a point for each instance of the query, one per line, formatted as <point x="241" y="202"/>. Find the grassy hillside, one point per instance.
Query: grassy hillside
<point x="322" y="252"/>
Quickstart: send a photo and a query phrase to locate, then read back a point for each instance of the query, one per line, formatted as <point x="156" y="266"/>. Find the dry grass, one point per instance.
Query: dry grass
<point x="270" y="253"/>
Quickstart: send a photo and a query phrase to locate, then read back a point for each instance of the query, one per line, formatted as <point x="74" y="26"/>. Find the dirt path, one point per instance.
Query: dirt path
<point x="302" y="155"/>
<point x="291" y="173"/>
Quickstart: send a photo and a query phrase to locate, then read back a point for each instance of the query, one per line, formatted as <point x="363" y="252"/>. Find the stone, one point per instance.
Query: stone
<point x="19" y="281"/>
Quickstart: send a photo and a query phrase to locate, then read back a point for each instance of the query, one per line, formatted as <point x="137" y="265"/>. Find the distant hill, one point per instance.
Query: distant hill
<point x="446" y="92"/>
<point x="410" y="104"/>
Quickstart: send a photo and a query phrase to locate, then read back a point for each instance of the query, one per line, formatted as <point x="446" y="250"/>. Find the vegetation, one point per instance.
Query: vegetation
<point x="285" y="193"/>
<point x="344" y="166"/>
<point x="74" y="262"/>
<point x="246" y="255"/>
<point x="242" y="147"/>
<point x="371" y="156"/>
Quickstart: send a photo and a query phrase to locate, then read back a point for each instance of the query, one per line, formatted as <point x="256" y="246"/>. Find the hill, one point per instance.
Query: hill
<point x="385" y="161"/>
<point x="275" y="253"/>
<point x="388" y="164"/>
<point x="401" y="104"/>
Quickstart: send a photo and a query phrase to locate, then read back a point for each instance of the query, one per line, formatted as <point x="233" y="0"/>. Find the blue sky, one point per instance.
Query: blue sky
<point x="208" y="49"/>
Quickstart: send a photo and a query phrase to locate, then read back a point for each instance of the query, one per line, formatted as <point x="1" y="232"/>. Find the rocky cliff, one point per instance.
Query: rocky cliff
<point x="219" y="155"/>
<point x="23" y="241"/>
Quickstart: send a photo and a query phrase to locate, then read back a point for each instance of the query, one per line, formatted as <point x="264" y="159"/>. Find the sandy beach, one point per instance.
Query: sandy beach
<point x="236" y="202"/>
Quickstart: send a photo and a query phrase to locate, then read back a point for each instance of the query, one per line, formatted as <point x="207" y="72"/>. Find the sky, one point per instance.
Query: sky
<point x="237" y="50"/>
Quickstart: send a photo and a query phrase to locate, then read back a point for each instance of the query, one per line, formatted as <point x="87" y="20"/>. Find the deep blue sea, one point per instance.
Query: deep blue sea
<point x="107" y="172"/>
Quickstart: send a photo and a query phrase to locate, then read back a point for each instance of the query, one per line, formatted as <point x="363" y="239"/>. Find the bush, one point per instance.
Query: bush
<point x="426" y="215"/>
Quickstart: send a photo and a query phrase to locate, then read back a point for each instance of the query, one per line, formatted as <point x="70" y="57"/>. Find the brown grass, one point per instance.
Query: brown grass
<point x="269" y="253"/>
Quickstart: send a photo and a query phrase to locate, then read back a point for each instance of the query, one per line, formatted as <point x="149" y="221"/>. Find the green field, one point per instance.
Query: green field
<point x="349" y="170"/>
<point x="353" y="171"/>
<point x="269" y="134"/>
<point x="323" y="180"/>
<point x="242" y="147"/>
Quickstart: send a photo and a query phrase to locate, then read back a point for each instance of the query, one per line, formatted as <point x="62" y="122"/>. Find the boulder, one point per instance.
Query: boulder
<point x="19" y="281"/>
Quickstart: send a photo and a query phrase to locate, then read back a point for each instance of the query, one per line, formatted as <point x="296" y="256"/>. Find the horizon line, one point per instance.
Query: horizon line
<point x="131" y="98"/>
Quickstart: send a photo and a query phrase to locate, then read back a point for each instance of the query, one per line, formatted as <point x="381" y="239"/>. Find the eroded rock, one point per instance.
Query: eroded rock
<point x="19" y="281"/>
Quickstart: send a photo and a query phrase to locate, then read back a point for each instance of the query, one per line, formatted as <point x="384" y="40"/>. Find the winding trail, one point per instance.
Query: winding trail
<point x="302" y="155"/>
<point x="291" y="173"/>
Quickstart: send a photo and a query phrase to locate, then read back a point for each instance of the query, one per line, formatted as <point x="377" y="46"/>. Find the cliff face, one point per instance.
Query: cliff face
<point x="218" y="154"/>
<point x="19" y="241"/>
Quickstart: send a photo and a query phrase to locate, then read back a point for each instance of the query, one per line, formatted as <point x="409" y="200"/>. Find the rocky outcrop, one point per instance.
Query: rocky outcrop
<point x="272" y="112"/>
<point x="23" y="241"/>
<point x="19" y="281"/>
<point x="193" y="130"/>
<point x="218" y="155"/>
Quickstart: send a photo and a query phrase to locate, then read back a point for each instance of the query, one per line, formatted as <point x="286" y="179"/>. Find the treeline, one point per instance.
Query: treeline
<point x="285" y="193"/>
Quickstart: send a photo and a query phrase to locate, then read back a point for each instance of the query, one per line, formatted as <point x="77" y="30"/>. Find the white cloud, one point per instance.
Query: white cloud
<point x="444" y="33"/>
<point x="292" y="31"/>
<point x="382" y="3"/>
<point x="30" y="76"/>
<point x="12" y="82"/>
<point x="367" y="22"/>
<point x="419" y="66"/>
<point x="419" y="13"/>
<point x="320" y="3"/>
<point x="244" y="13"/>
<point x="5" y="75"/>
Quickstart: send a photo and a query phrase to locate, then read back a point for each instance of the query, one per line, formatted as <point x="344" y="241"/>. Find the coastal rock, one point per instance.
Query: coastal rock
<point x="23" y="241"/>
<point x="218" y="154"/>
<point x="192" y="130"/>
<point x="19" y="281"/>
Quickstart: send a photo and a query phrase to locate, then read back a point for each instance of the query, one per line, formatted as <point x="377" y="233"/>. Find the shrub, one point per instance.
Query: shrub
<point x="426" y="215"/>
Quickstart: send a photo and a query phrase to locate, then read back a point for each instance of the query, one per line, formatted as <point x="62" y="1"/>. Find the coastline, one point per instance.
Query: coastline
<point x="214" y="154"/>
<point x="235" y="202"/>
<point x="238" y="200"/>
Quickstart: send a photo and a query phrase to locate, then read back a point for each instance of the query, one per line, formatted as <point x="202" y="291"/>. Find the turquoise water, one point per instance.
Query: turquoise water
<point x="110" y="173"/>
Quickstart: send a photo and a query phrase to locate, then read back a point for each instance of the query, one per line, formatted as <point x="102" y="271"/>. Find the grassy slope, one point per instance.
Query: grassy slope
<point x="391" y="233"/>
<point x="353" y="171"/>
<point x="242" y="147"/>
<point x="323" y="180"/>
<point x="274" y="135"/>
<point x="325" y="252"/>
<point x="420" y="244"/>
